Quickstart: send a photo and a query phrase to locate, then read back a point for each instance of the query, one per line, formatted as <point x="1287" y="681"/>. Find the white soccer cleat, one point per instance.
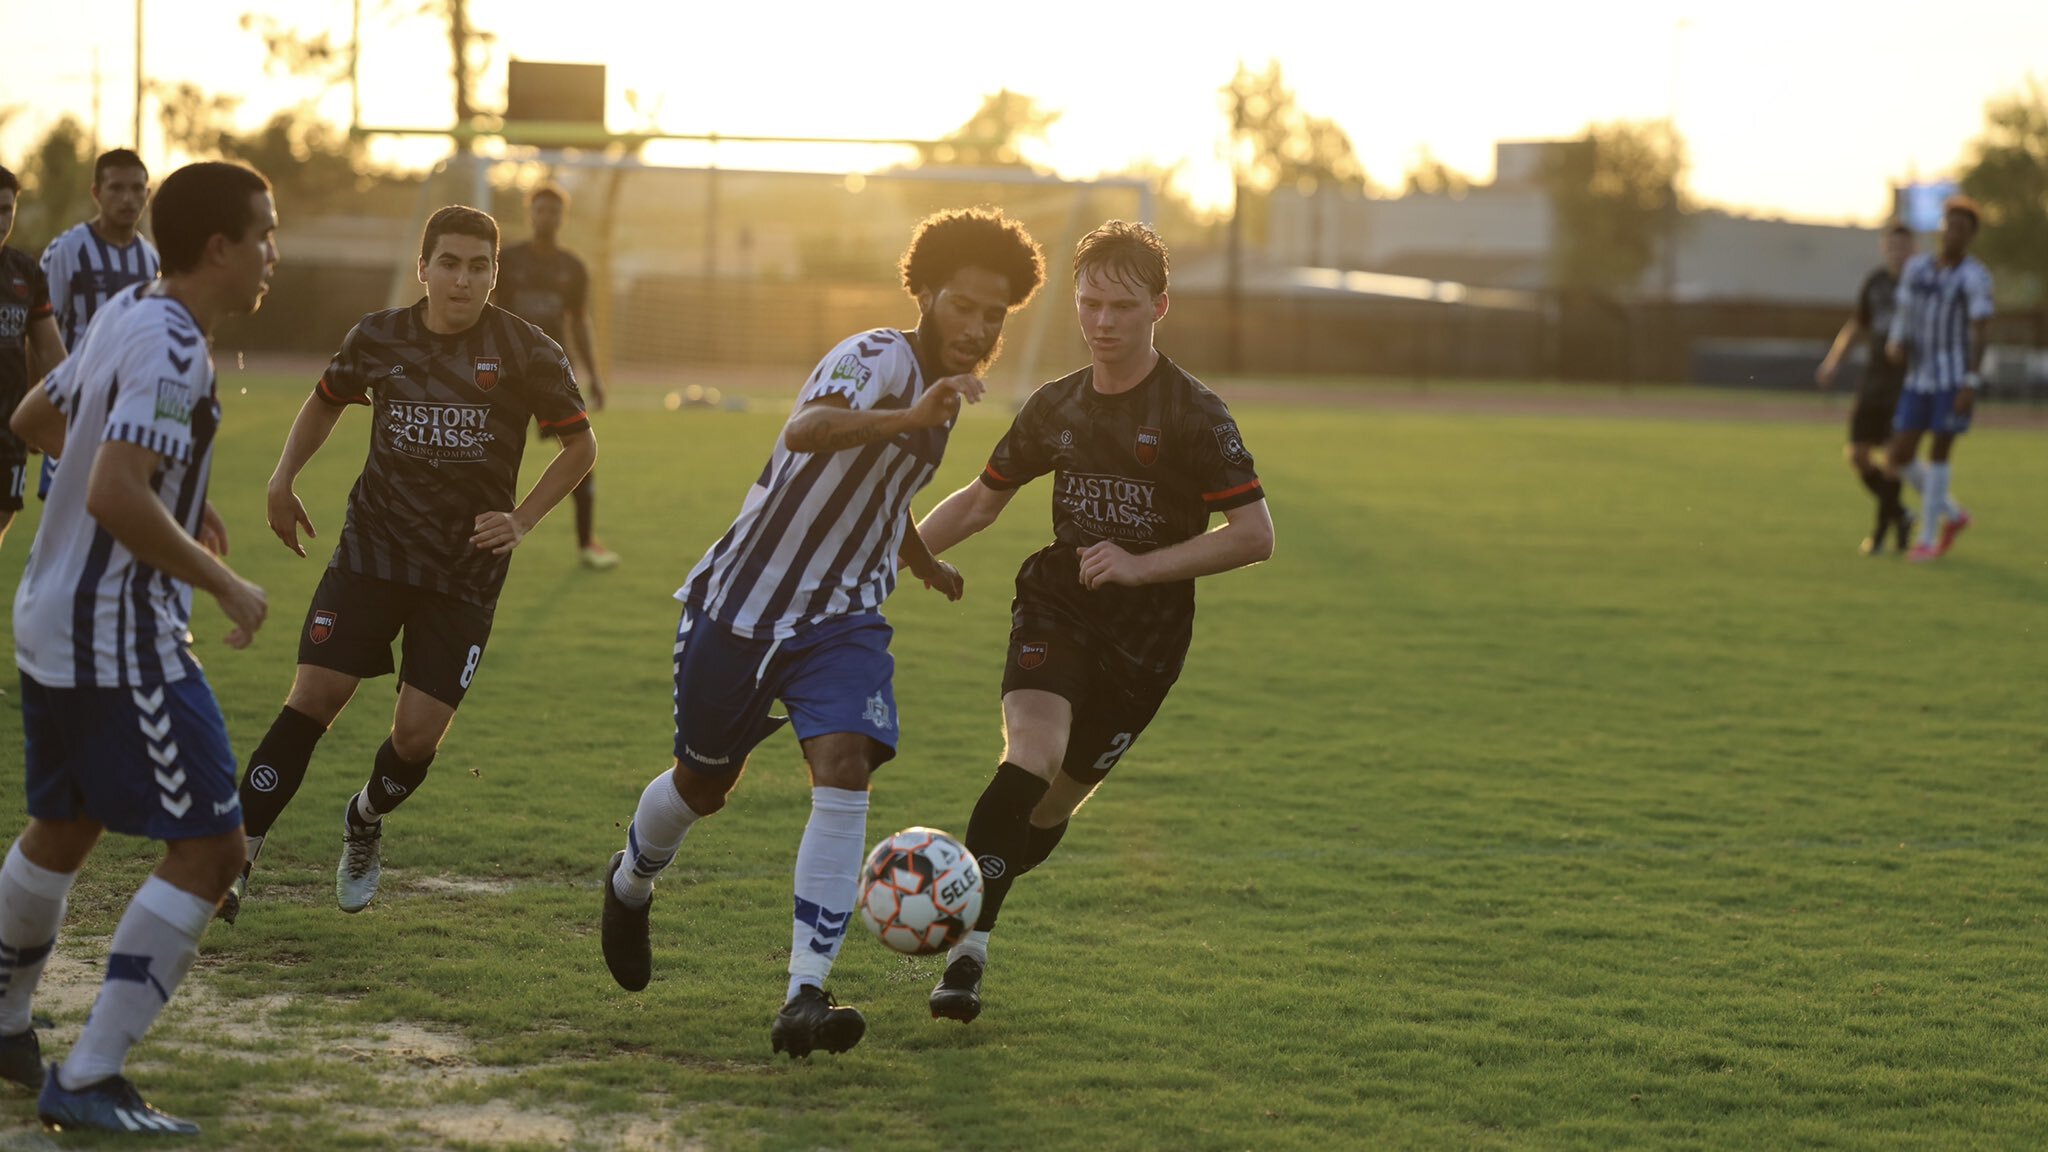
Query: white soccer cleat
<point x="361" y="867"/>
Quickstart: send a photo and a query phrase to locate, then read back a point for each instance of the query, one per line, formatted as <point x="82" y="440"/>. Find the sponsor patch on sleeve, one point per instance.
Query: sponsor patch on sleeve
<point x="1231" y="444"/>
<point x="173" y="400"/>
<point x="851" y="369"/>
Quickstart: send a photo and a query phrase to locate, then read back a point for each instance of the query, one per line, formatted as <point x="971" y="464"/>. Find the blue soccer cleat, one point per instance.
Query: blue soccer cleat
<point x="112" y="1105"/>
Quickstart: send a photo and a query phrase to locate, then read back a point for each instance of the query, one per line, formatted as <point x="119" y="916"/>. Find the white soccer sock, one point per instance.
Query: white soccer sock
<point x="1934" y="499"/>
<point x="974" y="944"/>
<point x="31" y="910"/>
<point x="659" y="825"/>
<point x="827" y="881"/>
<point x="359" y="804"/>
<point x="1915" y="475"/>
<point x="153" y="948"/>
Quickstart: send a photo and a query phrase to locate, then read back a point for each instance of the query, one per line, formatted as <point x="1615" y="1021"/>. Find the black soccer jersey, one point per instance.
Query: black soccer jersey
<point x="1144" y="468"/>
<point x="541" y="290"/>
<point x="445" y="443"/>
<point x="24" y="299"/>
<point x="1875" y="302"/>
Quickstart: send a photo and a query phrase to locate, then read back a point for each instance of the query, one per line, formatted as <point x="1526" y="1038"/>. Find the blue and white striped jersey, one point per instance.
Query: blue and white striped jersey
<point x="85" y="272"/>
<point x="818" y="532"/>
<point x="1936" y="306"/>
<point x="88" y="614"/>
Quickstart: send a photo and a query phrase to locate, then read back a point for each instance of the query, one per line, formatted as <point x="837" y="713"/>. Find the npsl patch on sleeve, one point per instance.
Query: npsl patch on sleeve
<point x="1231" y="444"/>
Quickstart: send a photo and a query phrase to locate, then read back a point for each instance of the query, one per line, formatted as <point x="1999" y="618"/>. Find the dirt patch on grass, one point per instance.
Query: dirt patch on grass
<point x="415" y="1067"/>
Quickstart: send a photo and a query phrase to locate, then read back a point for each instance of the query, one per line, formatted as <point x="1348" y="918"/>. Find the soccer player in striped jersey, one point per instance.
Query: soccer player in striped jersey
<point x="122" y="731"/>
<point x="1877" y="399"/>
<point x="90" y="262"/>
<point x="432" y="522"/>
<point x="29" y="346"/>
<point x="787" y="605"/>
<point x="545" y="284"/>
<point x="1142" y="456"/>
<point x="1937" y="335"/>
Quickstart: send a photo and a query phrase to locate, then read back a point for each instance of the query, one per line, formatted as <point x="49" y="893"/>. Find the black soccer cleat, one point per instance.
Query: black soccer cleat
<point x="958" y="995"/>
<point x="231" y="904"/>
<point x="626" y="949"/>
<point x="813" y="1020"/>
<point x="21" y="1056"/>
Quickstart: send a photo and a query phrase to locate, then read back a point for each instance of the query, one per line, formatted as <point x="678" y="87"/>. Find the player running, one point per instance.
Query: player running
<point x="787" y="605"/>
<point x="1937" y="336"/>
<point x="544" y="284"/>
<point x="122" y="730"/>
<point x="29" y="346"/>
<point x="1870" y="424"/>
<point x="430" y="530"/>
<point x="1141" y="456"/>
<point x="86" y="265"/>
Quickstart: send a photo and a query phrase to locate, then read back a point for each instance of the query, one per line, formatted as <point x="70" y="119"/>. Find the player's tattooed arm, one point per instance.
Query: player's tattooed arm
<point x="831" y="424"/>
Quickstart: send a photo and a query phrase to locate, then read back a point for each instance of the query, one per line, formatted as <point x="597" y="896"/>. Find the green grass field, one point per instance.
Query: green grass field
<point x="1562" y="783"/>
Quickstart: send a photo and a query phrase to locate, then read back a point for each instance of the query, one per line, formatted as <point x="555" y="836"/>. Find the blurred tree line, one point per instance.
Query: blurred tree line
<point x="2007" y="173"/>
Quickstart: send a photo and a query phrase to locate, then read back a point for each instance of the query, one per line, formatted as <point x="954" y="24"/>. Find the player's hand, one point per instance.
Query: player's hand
<point x="1966" y="402"/>
<point x="213" y="531"/>
<point x="941" y="402"/>
<point x="1825" y="374"/>
<point x="1895" y="352"/>
<point x="498" y="532"/>
<point x="286" y="516"/>
<point x="1104" y="562"/>
<point x="245" y="606"/>
<point x="597" y="394"/>
<point x="942" y="577"/>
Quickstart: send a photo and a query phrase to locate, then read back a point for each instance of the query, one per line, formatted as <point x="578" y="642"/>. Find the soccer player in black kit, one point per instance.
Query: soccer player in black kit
<point x="29" y="346"/>
<point x="1141" y="456"/>
<point x="432" y="522"/>
<point x="544" y="284"/>
<point x="1870" y="424"/>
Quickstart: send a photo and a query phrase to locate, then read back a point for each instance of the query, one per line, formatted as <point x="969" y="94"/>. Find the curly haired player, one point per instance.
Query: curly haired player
<point x="787" y="604"/>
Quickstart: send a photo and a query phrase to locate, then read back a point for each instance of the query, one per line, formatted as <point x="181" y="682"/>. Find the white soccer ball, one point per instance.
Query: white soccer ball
<point x="920" y="891"/>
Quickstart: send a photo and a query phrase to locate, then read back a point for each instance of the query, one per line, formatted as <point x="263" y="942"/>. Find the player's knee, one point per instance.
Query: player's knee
<point x="705" y="794"/>
<point x="319" y="699"/>
<point x="59" y="845"/>
<point x="416" y="742"/>
<point x="207" y="865"/>
<point x="1042" y="758"/>
<point x="847" y="769"/>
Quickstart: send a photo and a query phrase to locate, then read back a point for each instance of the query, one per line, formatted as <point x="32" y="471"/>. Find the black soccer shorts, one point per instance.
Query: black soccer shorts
<point x="353" y="620"/>
<point x="13" y="471"/>
<point x="1871" y="421"/>
<point x="1112" y="706"/>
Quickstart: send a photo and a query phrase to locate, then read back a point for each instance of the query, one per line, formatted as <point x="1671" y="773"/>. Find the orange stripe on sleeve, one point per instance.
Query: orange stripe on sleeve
<point x="999" y="477"/>
<point x="1227" y="493"/>
<point x="571" y="422"/>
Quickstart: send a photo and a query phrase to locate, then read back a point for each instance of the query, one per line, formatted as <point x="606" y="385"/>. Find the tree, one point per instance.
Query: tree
<point x="57" y="186"/>
<point x="1276" y="144"/>
<point x="1429" y="176"/>
<point x="994" y="136"/>
<point x="1616" y="203"/>
<point x="2007" y="174"/>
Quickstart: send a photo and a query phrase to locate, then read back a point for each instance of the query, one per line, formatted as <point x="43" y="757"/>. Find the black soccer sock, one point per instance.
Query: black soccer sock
<point x="999" y="833"/>
<point x="392" y="780"/>
<point x="1890" y="507"/>
<point x="585" y="498"/>
<point x="277" y="769"/>
<point x="1038" y="844"/>
<point x="1873" y="479"/>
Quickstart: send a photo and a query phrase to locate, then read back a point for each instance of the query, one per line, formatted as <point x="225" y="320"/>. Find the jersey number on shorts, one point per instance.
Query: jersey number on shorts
<point x="476" y="653"/>
<point x="1117" y="747"/>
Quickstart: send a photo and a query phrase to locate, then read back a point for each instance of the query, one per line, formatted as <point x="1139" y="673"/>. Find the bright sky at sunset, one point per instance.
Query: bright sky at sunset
<point x="1804" y="109"/>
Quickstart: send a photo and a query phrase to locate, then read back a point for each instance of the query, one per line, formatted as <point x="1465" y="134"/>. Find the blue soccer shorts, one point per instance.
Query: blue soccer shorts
<point x="834" y="676"/>
<point x="1929" y="412"/>
<point x="151" y="761"/>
